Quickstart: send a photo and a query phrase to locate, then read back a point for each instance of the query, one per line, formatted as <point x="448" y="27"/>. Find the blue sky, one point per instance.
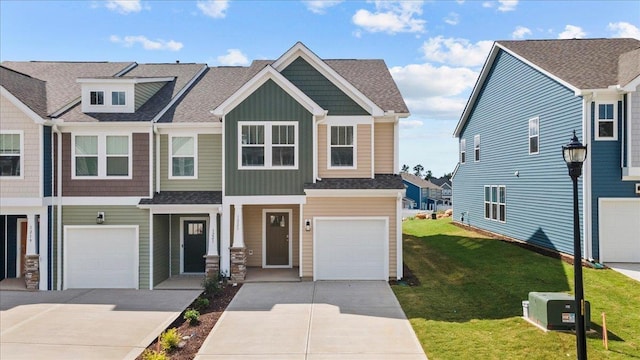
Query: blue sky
<point x="434" y="49"/>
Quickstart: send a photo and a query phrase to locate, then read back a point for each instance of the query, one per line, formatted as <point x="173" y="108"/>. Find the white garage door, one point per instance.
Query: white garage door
<point x="351" y="249"/>
<point x="101" y="257"/>
<point x="619" y="230"/>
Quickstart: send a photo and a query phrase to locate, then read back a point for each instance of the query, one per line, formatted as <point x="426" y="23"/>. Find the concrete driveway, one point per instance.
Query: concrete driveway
<point x="313" y="321"/>
<point x="86" y="324"/>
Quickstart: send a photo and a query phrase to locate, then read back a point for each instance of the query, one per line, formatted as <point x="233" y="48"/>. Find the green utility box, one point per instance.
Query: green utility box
<point x="556" y="311"/>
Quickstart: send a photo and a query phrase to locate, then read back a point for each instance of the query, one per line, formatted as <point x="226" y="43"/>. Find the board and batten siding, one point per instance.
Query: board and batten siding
<point x="384" y="155"/>
<point x="161" y="250"/>
<point x="13" y="119"/>
<point x="358" y="206"/>
<point x="539" y="202"/>
<point x="209" y="166"/>
<point x="145" y="91"/>
<point x="322" y="91"/>
<point x="363" y="153"/>
<point x="116" y="215"/>
<point x="606" y="176"/>
<point x="268" y="103"/>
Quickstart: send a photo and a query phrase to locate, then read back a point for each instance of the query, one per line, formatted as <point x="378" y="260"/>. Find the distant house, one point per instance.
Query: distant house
<point x="445" y="185"/>
<point x="425" y="194"/>
<point x="511" y="178"/>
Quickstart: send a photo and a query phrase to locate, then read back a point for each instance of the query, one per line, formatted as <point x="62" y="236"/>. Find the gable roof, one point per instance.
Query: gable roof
<point x="418" y="181"/>
<point x="441" y="181"/>
<point x="629" y="68"/>
<point x="60" y="77"/>
<point x="579" y="64"/>
<point x="30" y="91"/>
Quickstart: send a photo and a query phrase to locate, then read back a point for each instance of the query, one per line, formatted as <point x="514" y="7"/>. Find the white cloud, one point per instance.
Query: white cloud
<point x="214" y="8"/>
<point x="452" y="19"/>
<point x="234" y="57"/>
<point x="124" y="6"/>
<point x="320" y="6"/>
<point x="487" y="4"/>
<point x="159" y="44"/>
<point x="520" y="32"/>
<point x="507" y="5"/>
<point x="391" y="17"/>
<point x="624" y="30"/>
<point x="410" y="124"/>
<point x="455" y="52"/>
<point x="572" y="32"/>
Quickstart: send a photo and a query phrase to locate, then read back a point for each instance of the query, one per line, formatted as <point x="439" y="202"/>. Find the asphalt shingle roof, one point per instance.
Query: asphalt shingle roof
<point x="30" y="91"/>
<point x="418" y="181"/>
<point x="379" y="182"/>
<point x="629" y="66"/>
<point x="583" y="63"/>
<point x="184" y="198"/>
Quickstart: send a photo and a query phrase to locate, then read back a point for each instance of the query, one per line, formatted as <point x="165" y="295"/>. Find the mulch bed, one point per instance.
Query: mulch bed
<point x="198" y="333"/>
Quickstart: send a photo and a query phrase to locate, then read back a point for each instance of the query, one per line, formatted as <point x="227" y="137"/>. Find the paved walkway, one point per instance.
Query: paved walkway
<point x="313" y="321"/>
<point x="85" y="324"/>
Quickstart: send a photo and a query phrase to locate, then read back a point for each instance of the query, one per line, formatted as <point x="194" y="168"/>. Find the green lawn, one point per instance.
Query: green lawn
<point x="469" y="303"/>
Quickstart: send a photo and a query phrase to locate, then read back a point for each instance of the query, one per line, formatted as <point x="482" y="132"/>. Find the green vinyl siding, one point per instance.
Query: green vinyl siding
<point x="268" y="103"/>
<point x="161" y="249"/>
<point x="116" y="215"/>
<point x="209" y="166"/>
<point x="145" y="91"/>
<point x="320" y="89"/>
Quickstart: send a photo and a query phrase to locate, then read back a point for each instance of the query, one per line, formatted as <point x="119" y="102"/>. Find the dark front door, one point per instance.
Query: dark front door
<point x="277" y="238"/>
<point x="195" y="245"/>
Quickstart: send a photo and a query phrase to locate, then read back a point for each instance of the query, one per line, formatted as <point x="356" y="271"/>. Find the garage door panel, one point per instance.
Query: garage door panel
<point x="353" y="249"/>
<point x="619" y="241"/>
<point x="101" y="257"/>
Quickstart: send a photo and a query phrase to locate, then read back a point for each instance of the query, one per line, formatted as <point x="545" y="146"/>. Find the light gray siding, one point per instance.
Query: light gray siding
<point x="145" y="91"/>
<point x="634" y="121"/>
<point x="209" y="166"/>
<point x="539" y="207"/>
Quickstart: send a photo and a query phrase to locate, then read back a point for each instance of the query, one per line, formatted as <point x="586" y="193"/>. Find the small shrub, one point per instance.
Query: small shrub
<point x="211" y="286"/>
<point x="192" y="316"/>
<point x="154" y="355"/>
<point x="201" y="303"/>
<point x="170" y="339"/>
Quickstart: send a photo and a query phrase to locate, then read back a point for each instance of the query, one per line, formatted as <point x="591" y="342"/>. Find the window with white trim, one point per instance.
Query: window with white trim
<point x="11" y="154"/>
<point x="268" y="145"/>
<point x="495" y="202"/>
<point x="606" y="124"/>
<point x="96" y="97"/>
<point x="118" y="98"/>
<point x="183" y="157"/>
<point x="101" y="156"/>
<point x="476" y="148"/>
<point x="342" y="147"/>
<point x="534" y="135"/>
<point x="463" y="151"/>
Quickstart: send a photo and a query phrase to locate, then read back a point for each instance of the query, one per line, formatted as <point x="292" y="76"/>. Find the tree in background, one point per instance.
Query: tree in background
<point x="417" y="170"/>
<point x="429" y="175"/>
<point x="405" y="168"/>
<point x="448" y="176"/>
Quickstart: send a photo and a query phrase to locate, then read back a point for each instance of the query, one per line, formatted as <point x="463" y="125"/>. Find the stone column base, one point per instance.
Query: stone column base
<point x="32" y="271"/>
<point x="238" y="264"/>
<point x="212" y="266"/>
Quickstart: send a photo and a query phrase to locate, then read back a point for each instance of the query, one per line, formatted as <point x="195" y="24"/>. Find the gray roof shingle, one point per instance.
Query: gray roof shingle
<point x="583" y="63"/>
<point x="30" y="91"/>
<point x="629" y="66"/>
<point x="418" y="181"/>
<point x="379" y="182"/>
<point x="184" y="198"/>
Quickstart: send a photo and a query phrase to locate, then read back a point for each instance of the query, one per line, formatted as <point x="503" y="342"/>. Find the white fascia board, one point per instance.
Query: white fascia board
<point x="354" y="192"/>
<point x="182" y="209"/>
<point x="28" y="202"/>
<point x="119" y="80"/>
<point x="101" y="200"/>
<point x="337" y="120"/>
<point x="202" y="128"/>
<point x="265" y="200"/>
<point x="268" y="73"/>
<point x="22" y="209"/>
<point x="300" y="50"/>
<point x="20" y="105"/>
<point x="179" y="95"/>
<point x="105" y="127"/>
<point x="632" y="85"/>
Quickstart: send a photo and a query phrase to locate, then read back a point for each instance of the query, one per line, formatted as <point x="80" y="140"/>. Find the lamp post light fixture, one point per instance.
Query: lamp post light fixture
<point x="574" y="154"/>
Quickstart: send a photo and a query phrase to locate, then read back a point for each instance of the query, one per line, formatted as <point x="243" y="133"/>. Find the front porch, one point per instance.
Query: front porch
<point x="254" y="275"/>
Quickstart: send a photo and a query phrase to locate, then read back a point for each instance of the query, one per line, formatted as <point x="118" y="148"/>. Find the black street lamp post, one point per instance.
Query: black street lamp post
<point x="574" y="154"/>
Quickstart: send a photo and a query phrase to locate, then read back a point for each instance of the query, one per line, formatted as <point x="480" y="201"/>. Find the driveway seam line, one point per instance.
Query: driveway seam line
<point x="313" y="302"/>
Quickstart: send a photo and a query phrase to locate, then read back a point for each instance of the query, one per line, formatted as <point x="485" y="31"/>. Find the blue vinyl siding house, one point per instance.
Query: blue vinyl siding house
<point x="530" y="97"/>
<point x="424" y="193"/>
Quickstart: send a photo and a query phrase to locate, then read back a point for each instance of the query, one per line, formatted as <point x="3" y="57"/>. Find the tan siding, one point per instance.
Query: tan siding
<point x="335" y="206"/>
<point x="116" y="215"/>
<point x="209" y="166"/>
<point x="383" y="147"/>
<point x="12" y="118"/>
<point x="363" y="143"/>
<point x="253" y="231"/>
<point x="145" y="91"/>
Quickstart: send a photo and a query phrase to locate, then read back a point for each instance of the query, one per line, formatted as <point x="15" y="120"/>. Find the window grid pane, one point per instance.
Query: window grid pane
<point x="87" y="166"/>
<point x="182" y="146"/>
<point x="97" y="97"/>
<point x="118" y="145"/>
<point x="86" y="145"/>
<point x="9" y="144"/>
<point x="182" y="166"/>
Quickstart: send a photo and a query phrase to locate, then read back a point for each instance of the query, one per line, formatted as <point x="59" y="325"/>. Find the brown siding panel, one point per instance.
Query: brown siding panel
<point x="383" y="148"/>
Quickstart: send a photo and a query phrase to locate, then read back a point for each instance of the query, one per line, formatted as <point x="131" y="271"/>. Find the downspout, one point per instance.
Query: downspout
<point x="58" y="202"/>
<point x="587" y="215"/>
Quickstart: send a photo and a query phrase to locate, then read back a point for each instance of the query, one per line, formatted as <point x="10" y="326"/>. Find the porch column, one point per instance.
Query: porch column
<point x="212" y="259"/>
<point x="31" y="257"/>
<point x="238" y="255"/>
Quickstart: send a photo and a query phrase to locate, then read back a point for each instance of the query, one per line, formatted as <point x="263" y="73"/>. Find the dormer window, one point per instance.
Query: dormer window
<point x="97" y="97"/>
<point x="118" y="98"/>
